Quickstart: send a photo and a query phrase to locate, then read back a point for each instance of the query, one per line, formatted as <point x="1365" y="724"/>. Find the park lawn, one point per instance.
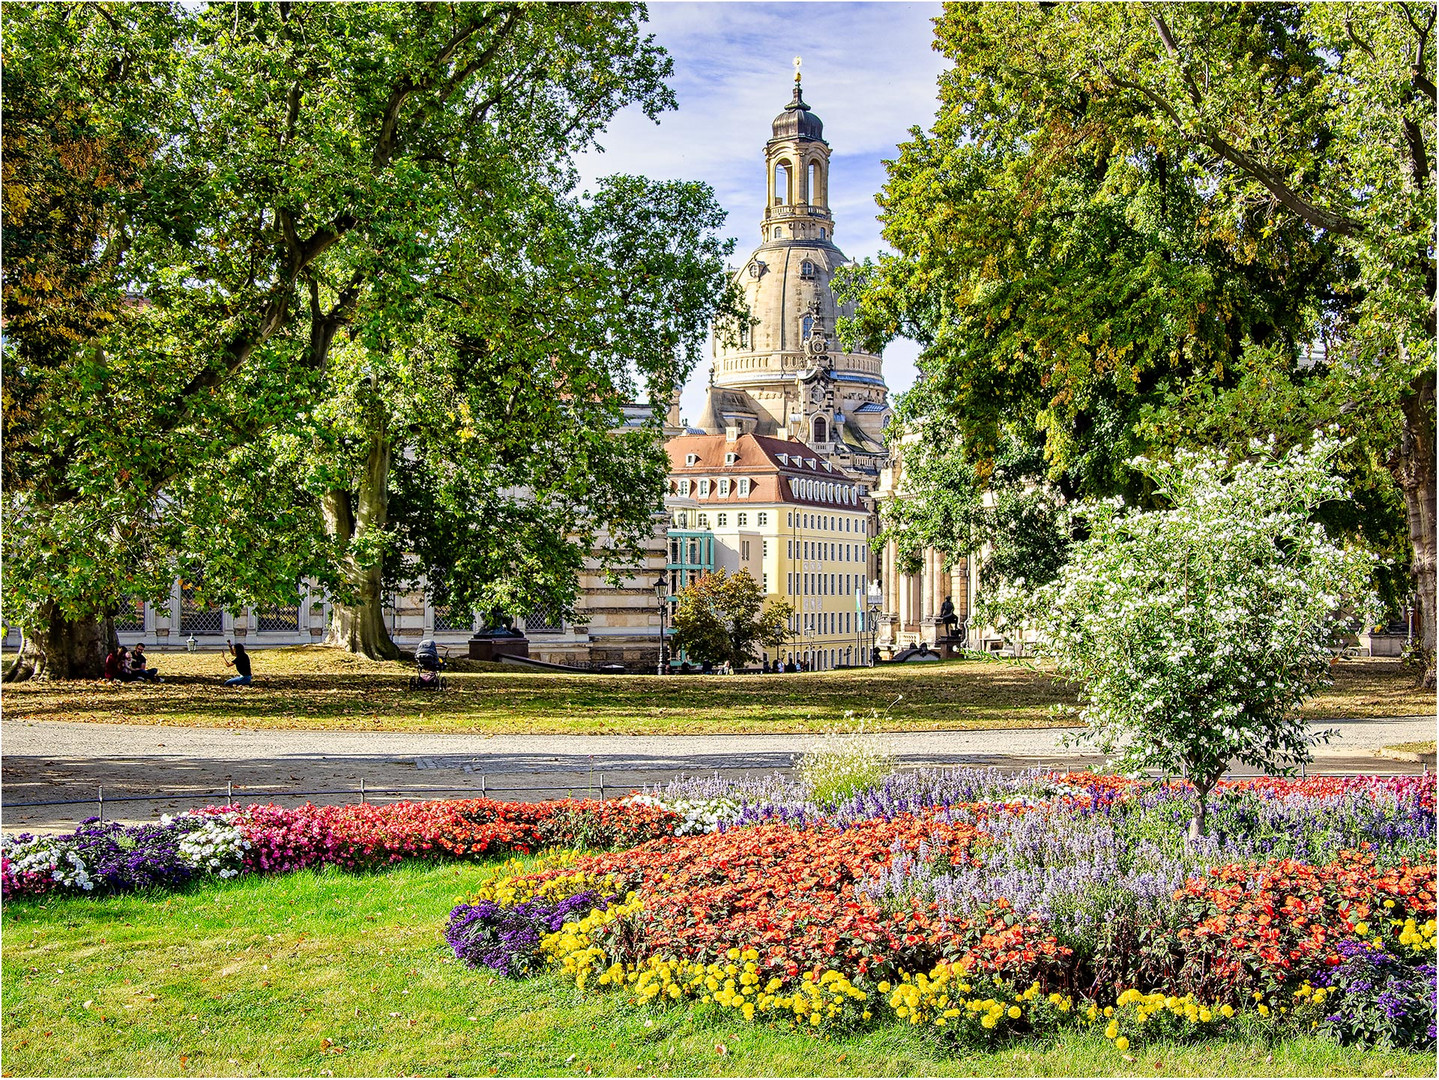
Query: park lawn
<point x="332" y="973"/>
<point x="313" y="687"/>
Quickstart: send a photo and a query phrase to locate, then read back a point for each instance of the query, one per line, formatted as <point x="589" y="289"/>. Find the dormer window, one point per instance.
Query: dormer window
<point x="684" y="487"/>
<point x="704" y="489"/>
<point x="744" y="487"/>
<point x="730" y="459"/>
<point x="692" y="460"/>
<point x="783" y="458"/>
<point x="724" y="486"/>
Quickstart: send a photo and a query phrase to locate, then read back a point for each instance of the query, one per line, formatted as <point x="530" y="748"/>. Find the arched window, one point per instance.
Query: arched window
<point x="764" y="519"/>
<point x="783" y="183"/>
<point x="823" y="233"/>
<point x="806" y="269"/>
<point x="778" y="232"/>
<point x="806" y="327"/>
<point x="816" y="185"/>
<point x="821" y="431"/>
<point x="744" y="334"/>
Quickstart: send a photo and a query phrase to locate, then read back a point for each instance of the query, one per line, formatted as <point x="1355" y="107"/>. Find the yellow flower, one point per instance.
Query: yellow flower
<point x="1014" y="1012"/>
<point x="1226" y="1011"/>
<point x="1111" y="1031"/>
<point x="1121" y="1043"/>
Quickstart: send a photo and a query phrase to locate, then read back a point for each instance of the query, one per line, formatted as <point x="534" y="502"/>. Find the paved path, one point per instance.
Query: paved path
<point x="62" y="760"/>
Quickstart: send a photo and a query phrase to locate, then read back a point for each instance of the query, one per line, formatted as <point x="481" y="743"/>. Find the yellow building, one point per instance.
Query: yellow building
<point x="798" y="523"/>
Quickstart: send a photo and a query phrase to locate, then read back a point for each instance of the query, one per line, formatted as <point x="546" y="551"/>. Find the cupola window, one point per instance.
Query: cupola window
<point x="806" y="327"/>
<point x="778" y="232"/>
<point x="823" y="233"/>
<point x="806" y="269"/>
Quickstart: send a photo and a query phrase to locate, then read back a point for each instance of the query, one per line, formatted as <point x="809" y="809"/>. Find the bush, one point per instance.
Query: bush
<point x="843" y="762"/>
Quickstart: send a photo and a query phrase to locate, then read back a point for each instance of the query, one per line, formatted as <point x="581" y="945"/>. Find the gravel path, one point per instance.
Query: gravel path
<point x="59" y="760"/>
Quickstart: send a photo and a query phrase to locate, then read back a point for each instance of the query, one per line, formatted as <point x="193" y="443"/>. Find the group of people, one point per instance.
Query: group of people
<point x="129" y="665"/>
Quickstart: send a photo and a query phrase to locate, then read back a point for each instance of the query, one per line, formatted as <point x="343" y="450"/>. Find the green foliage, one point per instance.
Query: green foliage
<point x="1009" y="509"/>
<point x="726" y="618"/>
<point x="1128" y="220"/>
<point x="305" y="195"/>
<point x="1197" y="631"/>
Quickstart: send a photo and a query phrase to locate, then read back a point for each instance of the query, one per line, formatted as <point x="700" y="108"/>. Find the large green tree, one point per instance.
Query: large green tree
<point x="725" y="617"/>
<point x="298" y="174"/>
<point x="1129" y="223"/>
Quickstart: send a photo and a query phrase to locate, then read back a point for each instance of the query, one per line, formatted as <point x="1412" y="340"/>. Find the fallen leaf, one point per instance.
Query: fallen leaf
<point x="721" y="1049"/>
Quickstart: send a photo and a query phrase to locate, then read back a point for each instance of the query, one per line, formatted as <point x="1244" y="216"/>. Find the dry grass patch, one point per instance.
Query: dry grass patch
<point x="315" y="688"/>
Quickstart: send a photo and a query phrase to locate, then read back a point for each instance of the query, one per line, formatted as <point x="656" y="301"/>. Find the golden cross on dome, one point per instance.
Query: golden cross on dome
<point x="796" y="68"/>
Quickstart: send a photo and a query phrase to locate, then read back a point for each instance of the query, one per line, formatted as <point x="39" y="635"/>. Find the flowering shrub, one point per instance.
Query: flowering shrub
<point x="1198" y="630"/>
<point x="842" y="762"/>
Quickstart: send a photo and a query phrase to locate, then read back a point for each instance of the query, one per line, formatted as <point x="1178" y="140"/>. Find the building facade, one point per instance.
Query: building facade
<point x="799" y="524"/>
<point x="782" y="374"/>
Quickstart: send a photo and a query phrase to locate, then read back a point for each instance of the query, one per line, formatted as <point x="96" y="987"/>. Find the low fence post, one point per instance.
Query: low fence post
<point x="362" y="791"/>
<point x="100" y="798"/>
<point x="229" y="795"/>
<point x="602" y="785"/>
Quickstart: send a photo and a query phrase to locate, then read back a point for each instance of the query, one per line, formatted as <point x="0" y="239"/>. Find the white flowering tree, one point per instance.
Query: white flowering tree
<point x="1197" y="631"/>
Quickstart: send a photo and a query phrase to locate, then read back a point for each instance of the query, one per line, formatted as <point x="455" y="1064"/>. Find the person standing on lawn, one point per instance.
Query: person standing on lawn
<point x="241" y="664"/>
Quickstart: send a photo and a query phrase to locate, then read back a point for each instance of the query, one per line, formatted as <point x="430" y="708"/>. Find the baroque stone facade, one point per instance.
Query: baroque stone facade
<point x="782" y="374"/>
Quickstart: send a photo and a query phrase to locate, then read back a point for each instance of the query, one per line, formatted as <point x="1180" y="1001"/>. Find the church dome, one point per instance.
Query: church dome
<point x="797" y="121"/>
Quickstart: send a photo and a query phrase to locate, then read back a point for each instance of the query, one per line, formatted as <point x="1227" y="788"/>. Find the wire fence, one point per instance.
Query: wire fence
<point x="591" y="784"/>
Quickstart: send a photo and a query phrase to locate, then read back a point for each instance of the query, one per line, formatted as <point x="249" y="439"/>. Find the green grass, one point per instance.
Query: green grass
<point x="309" y="972"/>
<point x="323" y="688"/>
<point x="1414" y="747"/>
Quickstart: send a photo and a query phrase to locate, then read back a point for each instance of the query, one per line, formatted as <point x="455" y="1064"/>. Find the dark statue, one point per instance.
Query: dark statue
<point x="498" y="624"/>
<point x="949" y="618"/>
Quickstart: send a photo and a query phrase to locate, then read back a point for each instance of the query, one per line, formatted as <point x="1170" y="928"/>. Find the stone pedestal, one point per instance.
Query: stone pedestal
<point x="492" y="648"/>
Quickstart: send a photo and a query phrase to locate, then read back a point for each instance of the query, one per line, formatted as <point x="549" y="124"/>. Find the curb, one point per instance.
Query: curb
<point x="1426" y="758"/>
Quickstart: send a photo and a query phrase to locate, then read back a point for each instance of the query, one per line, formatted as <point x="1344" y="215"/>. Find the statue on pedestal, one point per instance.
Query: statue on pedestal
<point x="949" y="618"/>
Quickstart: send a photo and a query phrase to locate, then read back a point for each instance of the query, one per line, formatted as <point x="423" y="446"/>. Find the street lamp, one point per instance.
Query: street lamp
<point x="662" y="594"/>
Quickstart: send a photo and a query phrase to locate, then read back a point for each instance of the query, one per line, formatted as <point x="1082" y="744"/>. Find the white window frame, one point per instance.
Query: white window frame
<point x="744" y="487"/>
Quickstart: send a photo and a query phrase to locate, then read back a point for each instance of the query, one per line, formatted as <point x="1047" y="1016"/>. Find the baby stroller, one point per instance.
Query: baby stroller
<point x="429" y="665"/>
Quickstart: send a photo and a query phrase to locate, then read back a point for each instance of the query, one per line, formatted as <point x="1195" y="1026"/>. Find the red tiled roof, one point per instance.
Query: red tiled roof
<point x="769" y="463"/>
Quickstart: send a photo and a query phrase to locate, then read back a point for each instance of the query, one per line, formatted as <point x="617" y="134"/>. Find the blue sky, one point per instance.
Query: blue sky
<point x="869" y="74"/>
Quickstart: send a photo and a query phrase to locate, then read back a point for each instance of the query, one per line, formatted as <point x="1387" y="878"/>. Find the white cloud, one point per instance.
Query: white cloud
<point x="869" y="73"/>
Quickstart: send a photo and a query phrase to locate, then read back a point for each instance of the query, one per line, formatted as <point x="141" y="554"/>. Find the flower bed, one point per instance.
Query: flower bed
<point x="274" y="839"/>
<point x="977" y="905"/>
<point x="1026" y="905"/>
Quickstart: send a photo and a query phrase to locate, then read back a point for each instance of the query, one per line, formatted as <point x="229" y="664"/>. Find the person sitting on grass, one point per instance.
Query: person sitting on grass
<point x="112" y="665"/>
<point x="241" y="664"/>
<point x="138" y="670"/>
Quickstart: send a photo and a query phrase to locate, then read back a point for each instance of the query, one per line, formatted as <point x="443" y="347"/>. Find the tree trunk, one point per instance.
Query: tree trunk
<point x="1199" y="823"/>
<point x="1414" y="470"/>
<point x="61" y="648"/>
<point x="357" y="618"/>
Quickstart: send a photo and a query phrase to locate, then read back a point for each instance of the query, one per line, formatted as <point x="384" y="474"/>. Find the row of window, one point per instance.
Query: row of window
<point x="818" y="549"/>
<point x="779" y="232"/>
<point x="822" y="492"/>
<point x="826" y="623"/>
<point x="721" y="487"/>
<point x="824" y="584"/>
<point x="827" y="523"/>
<point x="702" y="521"/>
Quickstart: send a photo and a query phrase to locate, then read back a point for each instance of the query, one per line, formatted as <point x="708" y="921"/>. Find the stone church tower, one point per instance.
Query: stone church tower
<point x="784" y="374"/>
